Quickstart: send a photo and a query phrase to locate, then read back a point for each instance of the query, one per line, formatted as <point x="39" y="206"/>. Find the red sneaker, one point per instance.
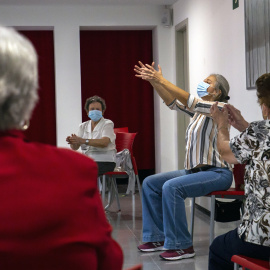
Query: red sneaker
<point x="178" y="254"/>
<point x="151" y="246"/>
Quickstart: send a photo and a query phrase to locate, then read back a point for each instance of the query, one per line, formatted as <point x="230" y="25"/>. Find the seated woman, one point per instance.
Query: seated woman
<point x="163" y="195"/>
<point x="251" y="146"/>
<point x="96" y="136"/>
<point x="51" y="214"/>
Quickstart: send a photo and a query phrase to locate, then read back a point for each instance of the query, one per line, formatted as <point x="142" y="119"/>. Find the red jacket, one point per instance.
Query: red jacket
<point x="51" y="214"/>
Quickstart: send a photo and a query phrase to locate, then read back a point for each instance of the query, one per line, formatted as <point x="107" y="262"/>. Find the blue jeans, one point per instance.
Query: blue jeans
<point x="163" y="203"/>
<point x="225" y="246"/>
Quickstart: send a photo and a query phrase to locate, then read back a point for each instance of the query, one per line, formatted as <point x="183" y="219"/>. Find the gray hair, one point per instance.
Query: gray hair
<point x="18" y="79"/>
<point x="223" y="85"/>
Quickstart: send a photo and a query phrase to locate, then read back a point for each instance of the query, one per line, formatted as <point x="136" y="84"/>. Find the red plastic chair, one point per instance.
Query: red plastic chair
<point x="121" y="129"/>
<point x="124" y="140"/>
<point x="231" y="193"/>
<point x="249" y="263"/>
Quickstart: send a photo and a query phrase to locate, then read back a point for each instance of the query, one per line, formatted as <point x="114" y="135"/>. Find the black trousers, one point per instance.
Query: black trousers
<point x="104" y="167"/>
<point x="229" y="244"/>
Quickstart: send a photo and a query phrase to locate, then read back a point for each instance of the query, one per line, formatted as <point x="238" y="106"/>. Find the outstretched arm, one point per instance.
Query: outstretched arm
<point x="166" y="90"/>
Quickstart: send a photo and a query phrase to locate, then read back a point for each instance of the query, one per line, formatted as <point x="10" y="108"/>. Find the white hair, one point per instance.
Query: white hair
<point x="18" y="79"/>
<point x="223" y="85"/>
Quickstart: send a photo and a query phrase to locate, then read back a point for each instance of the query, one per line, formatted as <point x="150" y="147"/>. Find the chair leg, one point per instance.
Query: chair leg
<point x="192" y="217"/>
<point x="139" y="186"/>
<point x="212" y="220"/>
<point x="236" y="266"/>
<point x="111" y="192"/>
<point x="116" y="193"/>
<point x="99" y="184"/>
<point x="103" y="188"/>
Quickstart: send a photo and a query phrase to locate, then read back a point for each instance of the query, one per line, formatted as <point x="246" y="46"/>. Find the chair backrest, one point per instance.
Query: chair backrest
<point x="238" y="173"/>
<point x="121" y="129"/>
<point x="124" y="140"/>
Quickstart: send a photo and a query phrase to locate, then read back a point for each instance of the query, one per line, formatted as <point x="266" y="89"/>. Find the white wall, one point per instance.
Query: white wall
<point x="217" y="45"/>
<point x="66" y="22"/>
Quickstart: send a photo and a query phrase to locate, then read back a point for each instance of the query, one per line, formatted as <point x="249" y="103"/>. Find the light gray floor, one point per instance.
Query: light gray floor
<point x="127" y="231"/>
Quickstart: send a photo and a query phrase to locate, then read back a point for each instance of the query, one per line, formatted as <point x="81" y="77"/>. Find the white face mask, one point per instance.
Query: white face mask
<point x="202" y="89"/>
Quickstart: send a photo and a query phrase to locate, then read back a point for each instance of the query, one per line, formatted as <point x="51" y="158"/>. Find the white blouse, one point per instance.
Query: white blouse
<point x="104" y="128"/>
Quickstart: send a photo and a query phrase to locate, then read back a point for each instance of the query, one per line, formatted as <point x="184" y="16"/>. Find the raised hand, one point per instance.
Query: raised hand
<point x="147" y="72"/>
<point x="139" y="69"/>
<point x="235" y="118"/>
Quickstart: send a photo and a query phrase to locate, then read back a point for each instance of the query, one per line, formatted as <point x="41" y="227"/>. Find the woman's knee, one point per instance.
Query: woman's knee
<point x="170" y="188"/>
<point x="148" y="181"/>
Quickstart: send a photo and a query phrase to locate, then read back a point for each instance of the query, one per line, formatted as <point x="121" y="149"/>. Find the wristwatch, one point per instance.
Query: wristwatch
<point x="86" y="141"/>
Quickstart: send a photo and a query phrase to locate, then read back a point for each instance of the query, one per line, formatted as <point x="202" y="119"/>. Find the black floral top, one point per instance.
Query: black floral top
<point x="252" y="146"/>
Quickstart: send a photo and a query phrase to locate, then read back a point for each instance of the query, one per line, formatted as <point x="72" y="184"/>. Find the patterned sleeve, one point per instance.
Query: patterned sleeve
<point x="244" y="144"/>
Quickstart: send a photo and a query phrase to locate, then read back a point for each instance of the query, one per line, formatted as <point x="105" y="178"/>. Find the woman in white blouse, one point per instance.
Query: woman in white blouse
<point x="96" y="136"/>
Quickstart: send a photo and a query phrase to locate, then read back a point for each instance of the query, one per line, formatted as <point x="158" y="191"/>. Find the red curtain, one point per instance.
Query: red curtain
<point x="43" y="122"/>
<point x="107" y="62"/>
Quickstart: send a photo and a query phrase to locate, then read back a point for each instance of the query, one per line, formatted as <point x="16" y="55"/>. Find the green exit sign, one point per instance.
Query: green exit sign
<point x="235" y="4"/>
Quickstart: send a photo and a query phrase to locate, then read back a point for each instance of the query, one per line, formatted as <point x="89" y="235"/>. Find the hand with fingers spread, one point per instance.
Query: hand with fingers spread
<point x="165" y="89"/>
<point x="144" y="71"/>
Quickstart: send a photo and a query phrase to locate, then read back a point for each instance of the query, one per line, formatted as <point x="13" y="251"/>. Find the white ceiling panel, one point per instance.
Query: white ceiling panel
<point x="85" y="2"/>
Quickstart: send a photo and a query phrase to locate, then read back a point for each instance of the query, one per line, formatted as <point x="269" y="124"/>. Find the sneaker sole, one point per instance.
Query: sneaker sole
<point x="153" y="249"/>
<point x="186" y="256"/>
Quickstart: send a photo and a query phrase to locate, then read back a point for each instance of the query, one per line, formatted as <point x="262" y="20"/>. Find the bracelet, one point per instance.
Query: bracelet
<point x="223" y="127"/>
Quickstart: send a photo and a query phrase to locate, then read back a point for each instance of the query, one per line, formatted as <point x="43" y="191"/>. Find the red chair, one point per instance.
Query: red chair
<point x="231" y="193"/>
<point x="249" y="263"/>
<point x="124" y="140"/>
<point x="121" y="129"/>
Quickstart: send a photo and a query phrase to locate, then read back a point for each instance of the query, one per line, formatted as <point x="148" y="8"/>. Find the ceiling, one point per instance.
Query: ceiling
<point x="86" y="2"/>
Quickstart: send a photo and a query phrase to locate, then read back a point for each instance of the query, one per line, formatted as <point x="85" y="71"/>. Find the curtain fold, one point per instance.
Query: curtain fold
<point x="107" y="63"/>
<point x="43" y="122"/>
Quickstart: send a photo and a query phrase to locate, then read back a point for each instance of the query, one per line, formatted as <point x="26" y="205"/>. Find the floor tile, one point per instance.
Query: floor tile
<point x="127" y="231"/>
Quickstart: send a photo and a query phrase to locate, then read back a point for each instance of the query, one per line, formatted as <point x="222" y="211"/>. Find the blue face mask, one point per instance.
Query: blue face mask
<point x="95" y="115"/>
<point x="202" y="89"/>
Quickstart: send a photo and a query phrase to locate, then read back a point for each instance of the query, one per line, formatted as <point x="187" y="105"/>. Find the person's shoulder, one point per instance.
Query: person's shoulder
<point x="260" y="123"/>
<point x="64" y="155"/>
<point x="84" y="123"/>
<point x="108" y="121"/>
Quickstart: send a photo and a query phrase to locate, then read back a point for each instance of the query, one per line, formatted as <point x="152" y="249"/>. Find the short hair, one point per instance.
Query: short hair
<point x="95" y="99"/>
<point x="263" y="89"/>
<point x="223" y="85"/>
<point x="18" y="79"/>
